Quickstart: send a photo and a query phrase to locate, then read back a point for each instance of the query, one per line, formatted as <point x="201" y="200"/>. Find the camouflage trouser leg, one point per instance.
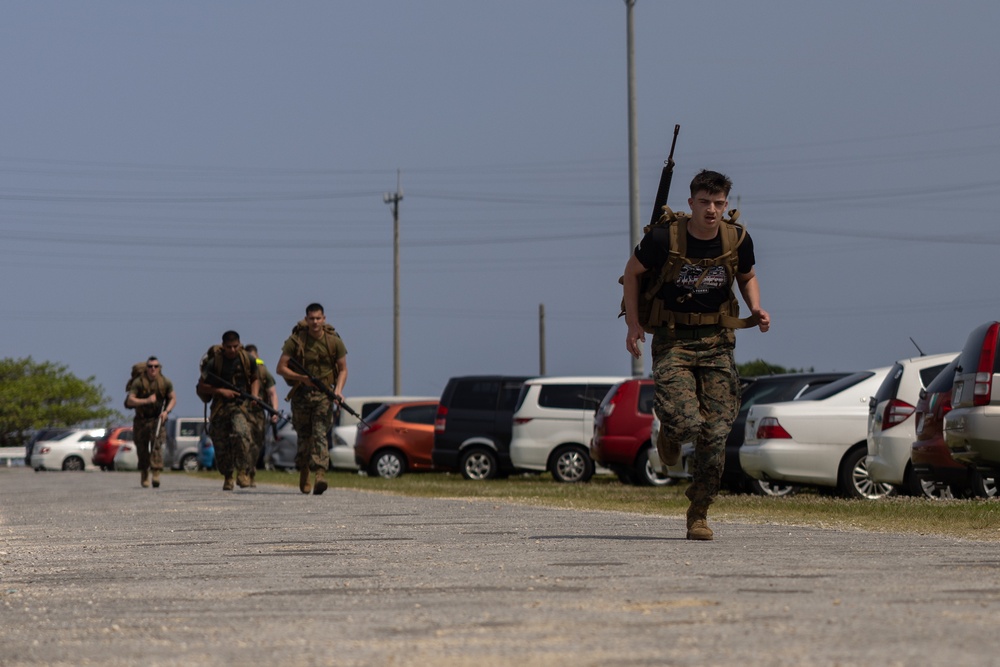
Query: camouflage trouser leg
<point x="231" y="434"/>
<point x="697" y="399"/>
<point x="258" y="422"/>
<point x="312" y="417"/>
<point x="148" y="446"/>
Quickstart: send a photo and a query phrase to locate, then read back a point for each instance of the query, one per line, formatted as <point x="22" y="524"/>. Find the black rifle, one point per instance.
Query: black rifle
<point x="297" y="366"/>
<point x="665" y="177"/>
<point x="216" y="381"/>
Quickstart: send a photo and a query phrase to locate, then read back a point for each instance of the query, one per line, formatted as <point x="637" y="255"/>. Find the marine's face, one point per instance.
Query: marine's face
<point x="152" y="369"/>
<point x="707" y="208"/>
<point x="231" y="349"/>
<point x="315" y="319"/>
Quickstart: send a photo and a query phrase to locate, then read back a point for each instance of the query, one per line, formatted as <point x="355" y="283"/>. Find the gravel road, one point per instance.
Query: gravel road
<point x="95" y="570"/>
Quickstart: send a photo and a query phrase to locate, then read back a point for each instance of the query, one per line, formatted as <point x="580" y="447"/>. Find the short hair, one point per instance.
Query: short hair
<point x="230" y="336"/>
<point x="711" y="182"/>
<point x="313" y="307"/>
<point x="152" y="359"/>
<point x="251" y="348"/>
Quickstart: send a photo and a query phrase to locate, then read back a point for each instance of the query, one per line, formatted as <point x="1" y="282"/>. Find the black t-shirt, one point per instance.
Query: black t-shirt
<point x="713" y="291"/>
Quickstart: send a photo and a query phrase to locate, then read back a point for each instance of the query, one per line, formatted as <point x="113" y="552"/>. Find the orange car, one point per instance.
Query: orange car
<point x="399" y="438"/>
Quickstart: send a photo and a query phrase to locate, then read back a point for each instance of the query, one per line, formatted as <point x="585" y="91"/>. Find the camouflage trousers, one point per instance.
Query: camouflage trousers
<point x="232" y="437"/>
<point x="697" y="399"/>
<point x="258" y="430"/>
<point x="312" y="417"/>
<point x="148" y="445"/>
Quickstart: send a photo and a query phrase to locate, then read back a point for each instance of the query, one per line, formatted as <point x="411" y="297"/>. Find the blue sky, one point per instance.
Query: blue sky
<point x="172" y="170"/>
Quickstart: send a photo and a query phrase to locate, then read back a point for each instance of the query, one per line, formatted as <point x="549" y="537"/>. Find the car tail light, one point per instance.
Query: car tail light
<point x="44" y="450"/>
<point x="523" y="420"/>
<point x="896" y="412"/>
<point x="770" y="429"/>
<point x="440" y="419"/>
<point x="984" y="372"/>
<point x="371" y="428"/>
<point x="609" y="407"/>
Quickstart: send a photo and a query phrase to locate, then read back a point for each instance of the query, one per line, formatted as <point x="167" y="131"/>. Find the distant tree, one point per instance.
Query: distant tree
<point x="761" y="367"/>
<point x="34" y="395"/>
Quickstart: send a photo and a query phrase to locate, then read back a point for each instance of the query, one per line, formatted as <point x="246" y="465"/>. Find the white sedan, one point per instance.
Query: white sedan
<point x="818" y="440"/>
<point x="71" y="451"/>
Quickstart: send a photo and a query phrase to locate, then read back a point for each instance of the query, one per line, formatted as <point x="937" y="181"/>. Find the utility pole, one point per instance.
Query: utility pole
<point x="633" y="152"/>
<point x="541" y="339"/>
<point x="394" y="198"/>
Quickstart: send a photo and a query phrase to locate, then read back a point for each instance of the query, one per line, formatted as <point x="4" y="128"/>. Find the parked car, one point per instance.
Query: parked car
<point x="819" y="440"/>
<point x="106" y="447"/>
<point x="183" y="434"/>
<point x="127" y="458"/>
<point x="972" y="427"/>
<point x="758" y="390"/>
<point x="52" y="433"/>
<point x="621" y="439"/>
<point x="932" y="462"/>
<point x="72" y="450"/>
<point x="280" y="452"/>
<point x="891" y="426"/>
<point x="399" y="438"/>
<point x="553" y="424"/>
<point x="472" y="429"/>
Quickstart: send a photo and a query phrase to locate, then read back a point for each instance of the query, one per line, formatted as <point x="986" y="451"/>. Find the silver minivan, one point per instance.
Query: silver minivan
<point x="972" y="428"/>
<point x="554" y="424"/>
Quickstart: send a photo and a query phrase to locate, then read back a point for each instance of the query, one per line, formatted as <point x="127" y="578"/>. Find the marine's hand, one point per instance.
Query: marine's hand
<point x="636" y="334"/>
<point x="226" y="393"/>
<point x="151" y="399"/>
<point x="764" y="322"/>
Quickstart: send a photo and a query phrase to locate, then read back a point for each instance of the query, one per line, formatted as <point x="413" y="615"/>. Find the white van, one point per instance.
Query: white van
<point x="554" y="424"/>
<point x="281" y="452"/>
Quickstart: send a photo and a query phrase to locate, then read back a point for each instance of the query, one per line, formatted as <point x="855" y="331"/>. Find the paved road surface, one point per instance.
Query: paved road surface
<point x="96" y="571"/>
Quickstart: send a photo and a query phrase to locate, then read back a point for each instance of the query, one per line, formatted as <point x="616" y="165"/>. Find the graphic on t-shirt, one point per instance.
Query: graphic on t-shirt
<point x="690" y="274"/>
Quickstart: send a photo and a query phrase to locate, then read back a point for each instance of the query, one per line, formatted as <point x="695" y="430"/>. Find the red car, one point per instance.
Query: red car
<point x="931" y="458"/>
<point x="399" y="438"/>
<point x="105" y="448"/>
<point x="621" y="433"/>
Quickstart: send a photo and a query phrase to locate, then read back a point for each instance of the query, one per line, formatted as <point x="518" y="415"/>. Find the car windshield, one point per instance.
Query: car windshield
<point x="834" y="388"/>
<point x="944" y="379"/>
<point x="377" y="412"/>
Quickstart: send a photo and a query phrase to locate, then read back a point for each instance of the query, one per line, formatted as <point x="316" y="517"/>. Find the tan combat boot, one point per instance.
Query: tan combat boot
<point x="670" y="452"/>
<point x="145" y="479"/>
<point x="228" y="484"/>
<point x="320" y="486"/>
<point x="243" y="479"/>
<point x="304" y="480"/>
<point x="697" y="523"/>
<point x="156" y="479"/>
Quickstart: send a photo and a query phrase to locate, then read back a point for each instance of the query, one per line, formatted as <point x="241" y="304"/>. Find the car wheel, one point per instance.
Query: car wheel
<point x="855" y="482"/>
<point x="571" y="464"/>
<point x="983" y="487"/>
<point x="478" y="464"/>
<point x="759" y="487"/>
<point x="74" y="463"/>
<point x="645" y="474"/>
<point x="919" y="487"/>
<point x="387" y="464"/>
<point x="189" y="463"/>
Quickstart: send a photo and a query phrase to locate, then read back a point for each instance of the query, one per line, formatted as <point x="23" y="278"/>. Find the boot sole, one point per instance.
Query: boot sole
<point x="320" y="488"/>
